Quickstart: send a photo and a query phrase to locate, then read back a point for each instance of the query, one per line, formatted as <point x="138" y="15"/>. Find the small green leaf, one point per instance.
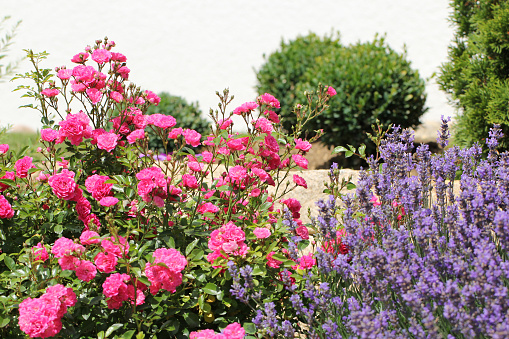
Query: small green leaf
<point x="279" y="257"/>
<point x="128" y="334"/>
<point x="9" y="262"/>
<point x="4" y="322"/>
<point x="58" y="229"/>
<point x="362" y="149"/>
<point x="112" y="329"/>
<point x="350" y="186"/>
<point x="348" y="154"/>
<point x="210" y="288"/>
<point x="339" y="149"/>
<point x="250" y="328"/>
<point x="191" y="246"/>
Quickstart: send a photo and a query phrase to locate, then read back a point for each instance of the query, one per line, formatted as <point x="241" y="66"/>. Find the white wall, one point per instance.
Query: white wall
<point x="195" y="48"/>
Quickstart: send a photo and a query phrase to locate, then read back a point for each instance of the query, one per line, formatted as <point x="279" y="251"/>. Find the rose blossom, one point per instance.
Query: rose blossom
<point x="63" y="184"/>
<point x="101" y="56"/>
<point x="107" y="141"/>
<point x="108" y="201"/>
<point x="86" y="236"/>
<point x="50" y="92"/>
<point x="49" y="134"/>
<point x="105" y="262"/>
<point x="22" y="166"/>
<point x="4" y="148"/>
<point x="192" y="137"/>
<point x="135" y="135"/>
<point x="40" y="253"/>
<point x="261" y="232"/>
<point x="331" y="91"/>
<point x="299" y="181"/>
<point x="86" y="271"/>
<point x="302" y="145"/>
<point x="300" y="161"/>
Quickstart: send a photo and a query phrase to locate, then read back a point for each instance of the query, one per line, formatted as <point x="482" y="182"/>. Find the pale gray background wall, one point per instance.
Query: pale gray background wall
<point x="195" y="48"/>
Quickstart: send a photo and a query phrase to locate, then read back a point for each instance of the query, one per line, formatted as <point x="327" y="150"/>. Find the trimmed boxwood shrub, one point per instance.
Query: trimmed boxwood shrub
<point x="372" y="81"/>
<point x="477" y="74"/>
<point x="188" y="115"/>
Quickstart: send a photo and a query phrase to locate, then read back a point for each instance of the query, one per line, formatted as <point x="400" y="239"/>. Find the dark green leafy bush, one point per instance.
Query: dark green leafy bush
<point x="372" y="81"/>
<point x="476" y="75"/>
<point x="188" y="115"/>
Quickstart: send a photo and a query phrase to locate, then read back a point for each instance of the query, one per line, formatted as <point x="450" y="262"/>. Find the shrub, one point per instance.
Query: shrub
<point x="477" y="74"/>
<point x="187" y="114"/>
<point x="372" y="81"/>
<point x="99" y="241"/>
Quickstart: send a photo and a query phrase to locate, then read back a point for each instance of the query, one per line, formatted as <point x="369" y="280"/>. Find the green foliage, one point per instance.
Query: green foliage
<point x="372" y="81"/>
<point x="187" y="114"/>
<point x="476" y="75"/>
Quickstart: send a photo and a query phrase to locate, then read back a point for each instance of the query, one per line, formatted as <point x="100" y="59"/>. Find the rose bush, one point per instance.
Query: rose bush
<point x="141" y="243"/>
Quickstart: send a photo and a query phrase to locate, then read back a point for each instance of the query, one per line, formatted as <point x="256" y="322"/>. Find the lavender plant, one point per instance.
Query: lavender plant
<point x="411" y="254"/>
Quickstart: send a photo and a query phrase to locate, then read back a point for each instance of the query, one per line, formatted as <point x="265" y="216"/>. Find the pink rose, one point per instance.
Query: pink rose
<point x="80" y="58"/>
<point x="86" y="238"/>
<point x="300" y="161"/>
<point x="101" y="56"/>
<point x="263" y="124"/>
<point x="273" y="262"/>
<point x="75" y="127"/>
<point x="118" y="57"/>
<point x="107" y="141"/>
<point x="208" y="207"/>
<point x="189" y="181"/>
<point x="94" y="95"/>
<point x="49" y="134"/>
<point x="124" y="72"/>
<point x="331" y="91"/>
<point x="299" y="181"/>
<point x="22" y="166"/>
<point x="225" y="124"/>
<point x="7" y="175"/>
<point x="105" y="262"/>
<point x="306" y="262"/>
<point x="40" y="253"/>
<point x="116" y="96"/>
<point x="63" y="184"/>
<point x="303" y="232"/>
<point x="4" y="148"/>
<point x="84" y="73"/>
<point x="302" y="145"/>
<point x="261" y="232"/>
<point x="135" y="135"/>
<point x="108" y="201"/>
<point x="161" y="120"/>
<point x="237" y="173"/>
<point x="174" y="133"/>
<point x="86" y="271"/>
<point x="64" y="74"/>
<point x="268" y="99"/>
<point x="192" y="137"/>
<point x="245" y="108"/>
<point x="152" y="97"/>
<point x="50" y="92"/>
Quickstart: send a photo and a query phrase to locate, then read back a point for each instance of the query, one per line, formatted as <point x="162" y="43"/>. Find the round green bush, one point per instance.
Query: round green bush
<point x="188" y="115"/>
<point x="372" y="82"/>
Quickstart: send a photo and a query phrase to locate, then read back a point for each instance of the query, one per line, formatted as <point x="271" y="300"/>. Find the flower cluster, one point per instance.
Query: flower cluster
<point x="227" y="240"/>
<point x="42" y="317"/>
<point x="166" y="270"/>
